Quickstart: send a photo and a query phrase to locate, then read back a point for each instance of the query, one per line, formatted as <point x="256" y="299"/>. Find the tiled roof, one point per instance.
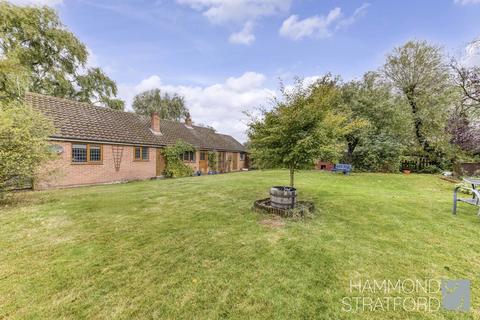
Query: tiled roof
<point x="81" y="121"/>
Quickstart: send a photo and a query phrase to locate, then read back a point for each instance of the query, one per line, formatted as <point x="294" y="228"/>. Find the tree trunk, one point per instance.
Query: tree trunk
<point x="422" y="140"/>
<point x="352" y="144"/>
<point x="292" y="172"/>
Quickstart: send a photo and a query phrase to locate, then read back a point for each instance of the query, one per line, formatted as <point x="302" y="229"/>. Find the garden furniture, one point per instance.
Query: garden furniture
<point x="342" y="167"/>
<point x="474" y="200"/>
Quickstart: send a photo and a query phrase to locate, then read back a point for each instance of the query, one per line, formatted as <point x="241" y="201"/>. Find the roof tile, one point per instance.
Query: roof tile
<point x="81" y="121"/>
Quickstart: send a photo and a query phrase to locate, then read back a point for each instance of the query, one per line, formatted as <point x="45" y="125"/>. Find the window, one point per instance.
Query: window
<point x="242" y="156"/>
<point x="79" y="153"/>
<point x="95" y="153"/>
<point x="86" y="153"/>
<point x="189" y="156"/>
<point x="202" y="156"/>
<point x="141" y="154"/>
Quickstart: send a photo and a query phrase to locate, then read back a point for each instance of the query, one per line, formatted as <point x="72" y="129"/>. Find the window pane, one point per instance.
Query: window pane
<point x="144" y="153"/>
<point x="202" y="156"/>
<point x="95" y="153"/>
<point x="137" y="153"/>
<point x="79" y="153"/>
<point x="192" y="155"/>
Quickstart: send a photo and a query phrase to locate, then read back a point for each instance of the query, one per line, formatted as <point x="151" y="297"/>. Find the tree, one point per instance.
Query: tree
<point x="301" y="128"/>
<point x="465" y="133"/>
<point x="35" y="39"/>
<point x="468" y="80"/>
<point x="171" y="107"/>
<point x="23" y="142"/>
<point x="418" y="71"/>
<point x="379" y="143"/>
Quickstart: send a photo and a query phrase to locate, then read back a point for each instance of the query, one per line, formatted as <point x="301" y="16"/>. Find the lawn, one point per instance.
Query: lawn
<point x="192" y="248"/>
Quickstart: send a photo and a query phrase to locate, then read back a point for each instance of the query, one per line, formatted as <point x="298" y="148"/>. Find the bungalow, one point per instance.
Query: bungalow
<point x="100" y="145"/>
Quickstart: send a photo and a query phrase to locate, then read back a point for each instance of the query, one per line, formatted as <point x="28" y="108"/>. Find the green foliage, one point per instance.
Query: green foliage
<point x="300" y="128"/>
<point x="14" y="79"/>
<point x="417" y="69"/>
<point x="50" y="58"/>
<point x="379" y="144"/>
<point x="171" y="107"/>
<point x="174" y="165"/>
<point x="212" y="160"/>
<point x="23" y="142"/>
<point x="378" y="153"/>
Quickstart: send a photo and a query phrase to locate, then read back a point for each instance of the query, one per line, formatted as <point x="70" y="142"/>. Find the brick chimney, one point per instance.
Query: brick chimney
<point x="188" y="120"/>
<point x="155" y="122"/>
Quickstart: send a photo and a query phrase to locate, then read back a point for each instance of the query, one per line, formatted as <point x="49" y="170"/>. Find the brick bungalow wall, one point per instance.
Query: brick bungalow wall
<point x="62" y="172"/>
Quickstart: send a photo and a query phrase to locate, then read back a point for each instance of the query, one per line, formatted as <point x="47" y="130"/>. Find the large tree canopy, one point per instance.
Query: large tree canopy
<point x="171" y="107"/>
<point x="301" y="128"/>
<point x="378" y="145"/>
<point x="54" y="60"/>
<point x="417" y="69"/>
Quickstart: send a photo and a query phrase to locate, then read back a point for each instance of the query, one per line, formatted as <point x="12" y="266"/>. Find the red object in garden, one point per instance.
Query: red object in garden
<point x="327" y="166"/>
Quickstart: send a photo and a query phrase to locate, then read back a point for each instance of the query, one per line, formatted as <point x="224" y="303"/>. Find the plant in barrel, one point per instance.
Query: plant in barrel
<point x="301" y="127"/>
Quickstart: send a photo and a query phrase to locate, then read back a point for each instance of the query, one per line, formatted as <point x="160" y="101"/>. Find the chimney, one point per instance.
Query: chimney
<point x="155" y="122"/>
<point x="188" y="120"/>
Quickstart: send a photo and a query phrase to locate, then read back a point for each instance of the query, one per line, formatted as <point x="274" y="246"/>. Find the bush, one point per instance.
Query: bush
<point x="174" y="166"/>
<point x="378" y="154"/>
<point x="212" y="160"/>
<point x="431" y="169"/>
<point x="23" y="143"/>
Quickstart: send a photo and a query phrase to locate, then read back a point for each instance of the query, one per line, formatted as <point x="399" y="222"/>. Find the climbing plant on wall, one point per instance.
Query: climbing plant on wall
<point x="174" y="165"/>
<point x="212" y="160"/>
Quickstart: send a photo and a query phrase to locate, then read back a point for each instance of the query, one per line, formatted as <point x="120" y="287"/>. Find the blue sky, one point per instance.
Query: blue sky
<point x="226" y="56"/>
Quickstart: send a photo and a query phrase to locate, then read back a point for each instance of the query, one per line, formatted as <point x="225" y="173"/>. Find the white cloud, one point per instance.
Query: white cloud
<point x="320" y="26"/>
<point x="359" y="13"/>
<point x="238" y="12"/>
<point x="220" y="105"/>
<point x="471" y="56"/>
<point x="245" y="36"/>
<point x="36" y="2"/>
<point x="317" y="26"/>
<point x="466" y="2"/>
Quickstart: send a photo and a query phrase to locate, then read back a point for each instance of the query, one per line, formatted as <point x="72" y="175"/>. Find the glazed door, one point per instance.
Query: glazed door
<point x="203" y="163"/>
<point x="160" y="162"/>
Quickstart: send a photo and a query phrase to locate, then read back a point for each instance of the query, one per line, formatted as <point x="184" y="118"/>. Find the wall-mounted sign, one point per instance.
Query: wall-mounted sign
<point x="56" y="148"/>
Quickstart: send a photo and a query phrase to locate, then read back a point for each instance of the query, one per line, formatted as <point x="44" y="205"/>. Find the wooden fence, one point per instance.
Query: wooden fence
<point x="416" y="163"/>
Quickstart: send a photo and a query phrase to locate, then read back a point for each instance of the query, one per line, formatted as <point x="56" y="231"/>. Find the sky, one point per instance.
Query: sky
<point x="227" y="57"/>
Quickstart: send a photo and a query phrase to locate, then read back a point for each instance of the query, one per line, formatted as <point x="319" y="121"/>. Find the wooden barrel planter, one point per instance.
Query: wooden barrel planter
<point x="283" y="197"/>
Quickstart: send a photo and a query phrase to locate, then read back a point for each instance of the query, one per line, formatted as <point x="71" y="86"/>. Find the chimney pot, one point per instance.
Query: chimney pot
<point x="188" y="120"/>
<point x="155" y="122"/>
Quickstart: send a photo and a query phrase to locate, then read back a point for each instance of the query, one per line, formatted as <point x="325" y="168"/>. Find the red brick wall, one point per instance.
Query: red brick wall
<point x="61" y="172"/>
<point x="321" y="165"/>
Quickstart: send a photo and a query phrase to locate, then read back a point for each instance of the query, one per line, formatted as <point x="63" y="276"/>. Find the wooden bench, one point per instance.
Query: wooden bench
<point x="342" y="167"/>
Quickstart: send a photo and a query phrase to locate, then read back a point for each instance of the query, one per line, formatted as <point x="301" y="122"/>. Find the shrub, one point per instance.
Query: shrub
<point x="430" y="169"/>
<point x="212" y="160"/>
<point x="23" y="143"/>
<point x="174" y="166"/>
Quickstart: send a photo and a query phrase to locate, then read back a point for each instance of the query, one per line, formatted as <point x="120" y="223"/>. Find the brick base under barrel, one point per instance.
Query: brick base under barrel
<point x="302" y="208"/>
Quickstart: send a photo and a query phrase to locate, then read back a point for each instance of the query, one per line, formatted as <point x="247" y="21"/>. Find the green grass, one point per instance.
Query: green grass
<point x="191" y="248"/>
